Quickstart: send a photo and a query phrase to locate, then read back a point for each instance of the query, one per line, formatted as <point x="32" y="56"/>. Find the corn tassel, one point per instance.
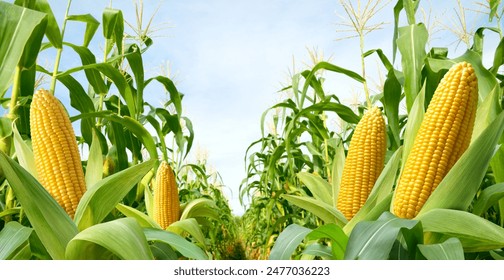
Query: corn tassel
<point x="166" y="200"/>
<point x="443" y="136"/>
<point x="364" y="162"/>
<point x="57" y="158"/>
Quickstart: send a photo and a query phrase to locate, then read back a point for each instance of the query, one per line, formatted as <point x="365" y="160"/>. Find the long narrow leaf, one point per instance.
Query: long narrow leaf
<point x="12" y="236"/>
<point x="475" y="233"/>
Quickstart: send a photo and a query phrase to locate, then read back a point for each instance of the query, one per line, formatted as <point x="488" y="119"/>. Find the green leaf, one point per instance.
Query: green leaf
<point x="374" y="240"/>
<point x="186" y="248"/>
<point x="94" y="166"/>
<point x="113" y="28"/>
<point x="326" y="212"/>
<point x="24" y="153"/>
<point x="319" y="250"/>
<point x="91" y="26"/>
<point x="329" y="67"/>
<point x="415" y="118"/>
<point x="498" y="58"/>
<point x="451" y="249"/>
<point x="200" y="207"/>
<point x="468" y="171"/>
<point x="51" y="223"/>
<point x="411" y="43"/>
<point x="18" y="27"/>
<point x="287" y="242"/>
<point x="319" y="187"/>
<point x="93" y="75"/>
<point x="475" y="233"/>
<point x="190" y="226"/>
<point x="100" y="199"/>
<point x="487" y="111"/>
<point x="142" y="219"/>
<point x="139" y="130"/>
<point x="52" y="31"/>
<point x="121" y="238"/>
<point x="488" y="197"/>
<point x="344" y="112"/>
<point x="335" y="234"/>
<point x="369" y="212"/>
<point x="12" y="237"/>
<point x="136" y="65"/>
<point x="391" y="100"/>
<point x="337" y="172"/>
<point x="385" y="182"/>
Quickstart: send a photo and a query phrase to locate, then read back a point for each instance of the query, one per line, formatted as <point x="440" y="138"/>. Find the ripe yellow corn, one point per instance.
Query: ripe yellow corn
<point x="57" y="158"/>
<point x="443" y="136"/>
<point x="364" y="162"/>
<point x="166" y="200"/>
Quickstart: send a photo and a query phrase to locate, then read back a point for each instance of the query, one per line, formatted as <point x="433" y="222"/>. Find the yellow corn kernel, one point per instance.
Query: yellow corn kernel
<point x="443" y="136"/>
<point x="364" y="162"/>
<point x="57" y="158"/>
<point x="166" y="200"/>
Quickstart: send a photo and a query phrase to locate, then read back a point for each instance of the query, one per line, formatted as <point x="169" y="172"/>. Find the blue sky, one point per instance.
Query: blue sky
<point x="230" y="58"/>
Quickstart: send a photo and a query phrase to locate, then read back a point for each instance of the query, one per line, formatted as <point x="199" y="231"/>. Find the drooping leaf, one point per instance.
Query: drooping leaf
<point x="178" y="243"/>
<point x="374" y="240"/>
<point x="142" y="219"/>
<point x="200" y="207"/>
<point x="18" y="27"/>
<point x="451" y="249"/>
<point x="121" y="238"/>
<point x="287" y="242"/>
<point x="326" y="212"/>
<point x="190" y="226"/>
<point x="475" y="233"/>
<point x="91" y="26"/>
<point x="12" y="237"/>
<point x="335" y="234"/>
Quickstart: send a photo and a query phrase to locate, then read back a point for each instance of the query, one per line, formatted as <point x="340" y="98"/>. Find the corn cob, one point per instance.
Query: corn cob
<point x="364" y="162"/>
<point x="57" y="158"/>
<point x="166" y="200"/>
<point x="443" y="136"/>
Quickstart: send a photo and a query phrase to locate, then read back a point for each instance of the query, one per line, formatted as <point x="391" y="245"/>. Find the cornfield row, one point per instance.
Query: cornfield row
<point x="415" y="172"/>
